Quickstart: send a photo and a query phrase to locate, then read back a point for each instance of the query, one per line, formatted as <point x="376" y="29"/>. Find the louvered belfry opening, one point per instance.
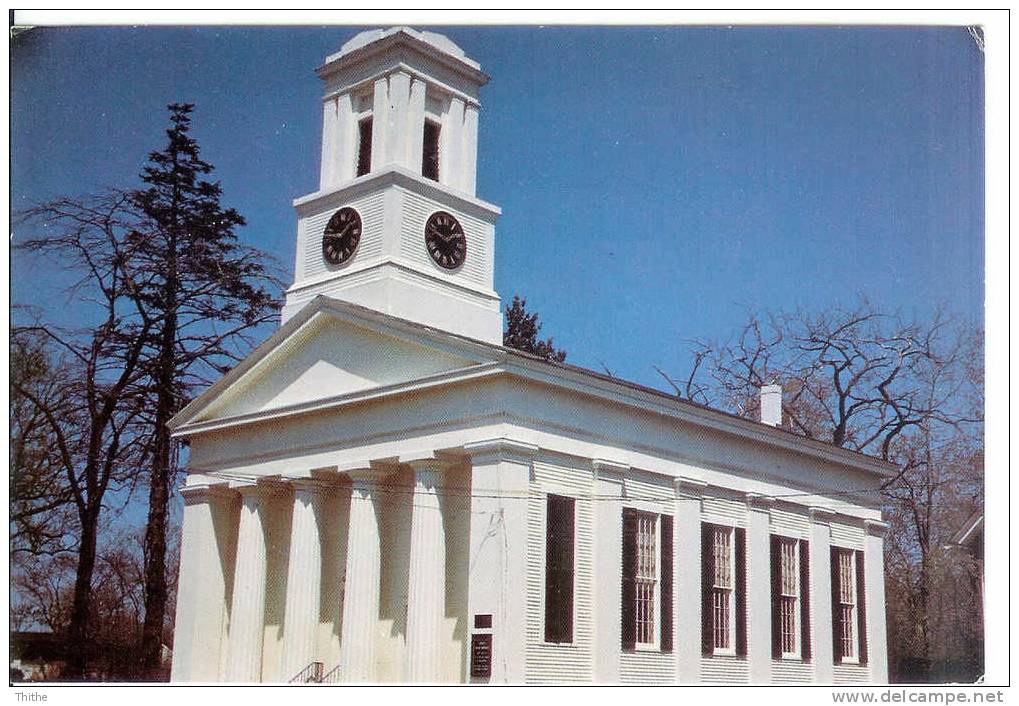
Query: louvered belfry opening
<point x="430" y="151"/>
<point x="364" y="146"/>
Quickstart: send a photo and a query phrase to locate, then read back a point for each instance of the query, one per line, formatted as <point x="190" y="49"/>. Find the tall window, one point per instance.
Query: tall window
<point x="430" y="151"/>
<point x="647" y="580"/>
<point x="646" y="605"/>
<point x="846" y="604"/>
<point x="723" y="590"/>
<point x="789" y="596"/>
<point x="559" y="565"/>
<point x="364" y="146"/>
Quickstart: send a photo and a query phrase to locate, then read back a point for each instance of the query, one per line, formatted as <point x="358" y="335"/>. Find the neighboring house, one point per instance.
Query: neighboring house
<point x="383" y="492"/>
<point x="970" y="538"/>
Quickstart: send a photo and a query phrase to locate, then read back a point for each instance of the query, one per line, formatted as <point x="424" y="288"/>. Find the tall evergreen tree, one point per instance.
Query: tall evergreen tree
<point x="522" y="330"/>
<point x="205" y="295"/>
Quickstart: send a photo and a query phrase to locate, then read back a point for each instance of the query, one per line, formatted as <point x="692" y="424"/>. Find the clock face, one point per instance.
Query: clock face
<point x="445" y="240"/>
<point x="341" y="236"/>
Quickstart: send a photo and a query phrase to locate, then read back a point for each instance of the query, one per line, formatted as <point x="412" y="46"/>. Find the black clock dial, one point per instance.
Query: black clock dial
<point x="445" y="240"/>
<point x="341" y="236"/>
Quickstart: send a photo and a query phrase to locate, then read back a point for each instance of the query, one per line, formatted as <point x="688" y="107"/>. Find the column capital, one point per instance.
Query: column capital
<point x="689" y="487"/>
<point x="821" y="515"/>
<point x="425" y="461"/>
<point x="877" y="528"/>
<point x="757" y="501"/>
<point x="611" y="471"/>
<point x="195" y="494"/>
<point x="501" y="449"/>
<point x="313" y="485"/>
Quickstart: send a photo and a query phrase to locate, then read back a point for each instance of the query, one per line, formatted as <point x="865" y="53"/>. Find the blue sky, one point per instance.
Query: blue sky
<point x="656" y="183"/>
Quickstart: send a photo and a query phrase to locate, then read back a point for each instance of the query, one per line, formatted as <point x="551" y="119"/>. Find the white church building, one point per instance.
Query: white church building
<point x="382" y="492"/>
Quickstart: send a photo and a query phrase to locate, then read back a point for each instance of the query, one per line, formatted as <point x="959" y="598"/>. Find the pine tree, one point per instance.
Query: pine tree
<point x="205" y="293"/>
<point x="522" y="333"/>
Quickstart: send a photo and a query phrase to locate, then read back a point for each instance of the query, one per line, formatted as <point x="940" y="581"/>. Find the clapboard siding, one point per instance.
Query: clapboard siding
<point x="724" y="670"/>
<point x="851" y="674"/>
<point x="647" y="668"/>
<point x="724" y="511"/>
<point x="560" y="663"/>
<point x="310" y="236"/>
<point x="653" y="488"/>
<point x="789" y="523"/>
<point x="848" y="536"/>
<point x="791" y="672"/>
<point x="477" y="264"/>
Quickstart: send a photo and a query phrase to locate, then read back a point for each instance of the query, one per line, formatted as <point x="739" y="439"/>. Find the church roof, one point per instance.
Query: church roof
<point x="480" y="359"/>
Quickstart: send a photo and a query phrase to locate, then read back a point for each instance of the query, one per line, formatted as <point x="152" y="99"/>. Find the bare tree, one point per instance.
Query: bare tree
<point x="92" y="417"/>
<point x="908" y="391"/>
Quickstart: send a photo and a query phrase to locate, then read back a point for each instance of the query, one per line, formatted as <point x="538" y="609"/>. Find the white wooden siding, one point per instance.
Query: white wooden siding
<point x="848" y="536"/>
<point x="851" y="673"/>
<point x="791" y="672"/>
<point x="477" y="265"/>
<point x="560" y="663"/>
<point x="724" y="511"/>
<point x="789" y="523"/>
<point x="647" y="668"/>
<point x="724" y="670"/>
<point x="310" y="236"/>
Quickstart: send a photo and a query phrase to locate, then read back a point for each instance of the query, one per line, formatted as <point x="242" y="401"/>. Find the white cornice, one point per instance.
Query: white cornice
<point x="389" y="175"/>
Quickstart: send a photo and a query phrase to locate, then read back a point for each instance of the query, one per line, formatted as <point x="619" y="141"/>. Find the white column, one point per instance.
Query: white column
<point x="361" y="593"/>
<point x="415" y="125"/>
<point x="758" y="589"/>
<point x="608" y="566"/>
<point x="451" y="139"/>
<point x="381" y="154"/>
<point x="398" y="137"/>
<point x="247" y="614"/>
<point x="820" y="594"/>
<point x="328" y="175"/>
<point x="874" y="568"/>
<point x="497" y="585"/>
<point x="344" y="154"/>
<point x="426" y="580"/>
<point x="469" y="157"/>
<point x="687" y="538"/>
<point x="304" y="579"/>
<point x="208" y="539"/>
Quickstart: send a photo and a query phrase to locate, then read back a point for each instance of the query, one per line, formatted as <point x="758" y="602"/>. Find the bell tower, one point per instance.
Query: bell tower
<point x="395" y="225"/>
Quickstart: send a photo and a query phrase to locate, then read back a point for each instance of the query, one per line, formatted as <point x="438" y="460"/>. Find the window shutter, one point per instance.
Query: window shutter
<point x="629" y="618"/>
<point x="741" y="591"/>
<point x="364" y="147"/>
<point x="559" y="529"/>
<point x="776" y="597"/>
<point x="666" y="597"/>
<point x="805" y="652"/>
<point x="861" y="607"/>
<point x="707" y="575"/>
<point x="836" y="611"/>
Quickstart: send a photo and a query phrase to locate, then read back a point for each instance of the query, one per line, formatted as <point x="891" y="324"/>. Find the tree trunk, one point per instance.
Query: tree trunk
<point x="77" y="663"/>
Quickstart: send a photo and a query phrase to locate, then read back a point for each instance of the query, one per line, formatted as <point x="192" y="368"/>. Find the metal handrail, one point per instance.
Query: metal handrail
<point x="312" y="674"/>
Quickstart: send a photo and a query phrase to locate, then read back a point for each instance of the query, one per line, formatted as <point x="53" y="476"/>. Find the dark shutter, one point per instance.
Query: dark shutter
<point x="559" y="569"/>
<point x="741" y="591"/>
<point x="364" y="147"/>
<point x="707" y="582"/>
<point x="836" y="609"/>
<point x="666" y="599"/>
<point x="629" y="617"/>
<point x="805" y="652"/>
<point x="861" y="607"/>
<point x="776" y="596"/>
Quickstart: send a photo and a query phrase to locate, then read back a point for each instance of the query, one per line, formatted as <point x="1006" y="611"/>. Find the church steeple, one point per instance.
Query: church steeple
<point x="395" y="225"/>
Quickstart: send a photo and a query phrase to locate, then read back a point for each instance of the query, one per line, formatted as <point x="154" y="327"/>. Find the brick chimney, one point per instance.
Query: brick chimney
<point x="771" y="405"/>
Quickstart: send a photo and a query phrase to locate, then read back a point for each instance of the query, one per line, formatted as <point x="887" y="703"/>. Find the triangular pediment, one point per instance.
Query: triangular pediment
<point x="325" y="356"/>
